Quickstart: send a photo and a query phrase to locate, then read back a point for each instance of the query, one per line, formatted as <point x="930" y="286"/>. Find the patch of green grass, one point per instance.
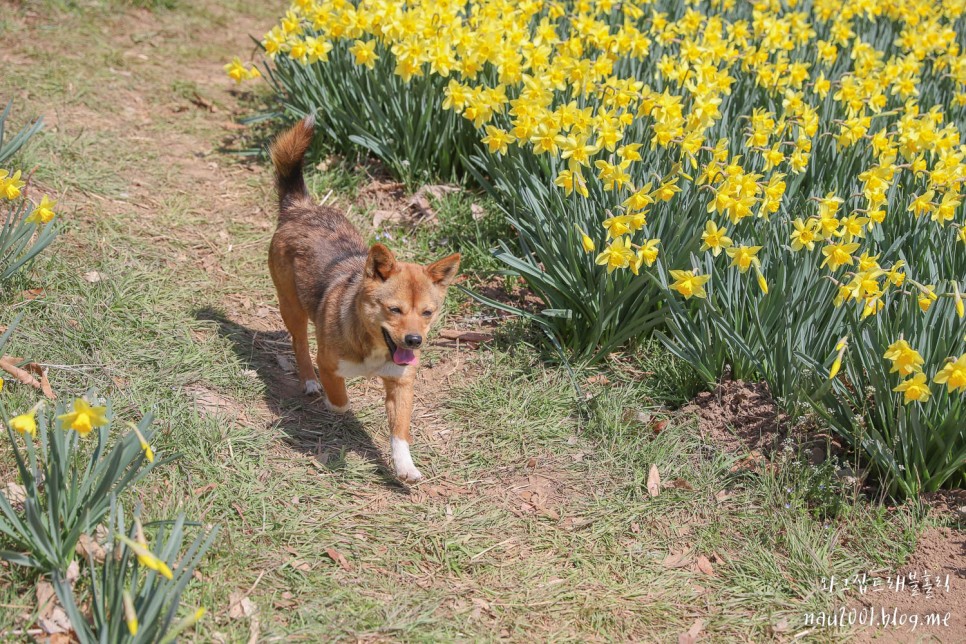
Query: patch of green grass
<point x="774" y="533"/>
<point x="340" y="177"/>
<point x="154" y="5"/>
<point x="464" y="223"/>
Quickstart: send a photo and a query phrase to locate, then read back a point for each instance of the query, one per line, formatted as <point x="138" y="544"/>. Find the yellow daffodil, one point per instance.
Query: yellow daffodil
<point x="25" y="423"/>
<point x="804" y="235"/>
<point x="43" y="213"/>
<point x="182" y="625"/>
<point x="714" y="238"/>
<point x="145" y="447"/>
<point x="905" y="360"/>
<point x="10" y="185"/>
<point x="364" y="53"/>
<point x="84" y="417"/>
<point x="953" y="374"/>
<point x="618" y="254"/>
<point x="238" y="72"/>
<point x="688" y="284"/>
<point x="837" y="255"/>
<point x="744" y="257"/>
<point x="837" y="363"/>
<point x="762" y="283"/>
<point x="915" y="389"/>
<point x="130" y="615"/>
<point x="586" y="241"/>
<point x="146" y="558"/>
<point x="646" y="255"/>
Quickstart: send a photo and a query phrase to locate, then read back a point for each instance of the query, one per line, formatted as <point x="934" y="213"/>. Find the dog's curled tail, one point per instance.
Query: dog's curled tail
<point x="287" y="152"/>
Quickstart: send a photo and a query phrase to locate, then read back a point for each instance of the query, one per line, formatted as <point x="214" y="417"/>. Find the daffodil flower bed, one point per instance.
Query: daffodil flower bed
<point x="773" y="188"/>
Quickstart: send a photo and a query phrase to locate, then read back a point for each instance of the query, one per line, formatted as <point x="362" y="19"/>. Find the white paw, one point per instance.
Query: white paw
<point x="312" y="387"/>
<point x="408" y="474"/>
<point x="336" y="408"/>
<point x="403" y="462"/>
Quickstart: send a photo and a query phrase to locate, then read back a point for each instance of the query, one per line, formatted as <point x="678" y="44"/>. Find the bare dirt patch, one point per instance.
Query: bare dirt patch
<point x="947" y="504"/>
<point x="739" y="416"/>
<point x="940" y="552"/>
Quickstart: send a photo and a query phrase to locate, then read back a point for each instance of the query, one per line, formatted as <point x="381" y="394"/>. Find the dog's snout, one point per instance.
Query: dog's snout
<point x="413" y="340"/>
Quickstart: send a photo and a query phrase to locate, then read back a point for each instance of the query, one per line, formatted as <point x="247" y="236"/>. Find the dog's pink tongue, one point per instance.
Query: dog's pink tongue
<point x="404" y="356"/>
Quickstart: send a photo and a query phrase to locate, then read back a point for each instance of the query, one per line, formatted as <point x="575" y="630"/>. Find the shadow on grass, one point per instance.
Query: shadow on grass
<point x="310" y="427"/>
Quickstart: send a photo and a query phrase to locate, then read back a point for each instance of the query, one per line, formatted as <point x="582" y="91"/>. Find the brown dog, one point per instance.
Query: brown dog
<point x="371" y="312"/>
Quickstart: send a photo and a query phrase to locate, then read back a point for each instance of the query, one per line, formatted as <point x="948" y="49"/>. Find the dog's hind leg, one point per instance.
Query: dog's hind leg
<point x="297" y="323"/>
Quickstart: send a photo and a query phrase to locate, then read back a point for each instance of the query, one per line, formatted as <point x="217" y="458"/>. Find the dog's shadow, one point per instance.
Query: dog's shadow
<point x="309" y="427"/>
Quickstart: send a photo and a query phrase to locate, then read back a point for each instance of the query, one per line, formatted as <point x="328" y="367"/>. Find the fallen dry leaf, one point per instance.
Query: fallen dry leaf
<point x="32" y="294"/>
<point x="41" y="374"/>
<point x="680" y="484"/>
<point x="419" y="208"/>
<point x="419" y="203"/>
<point x="204" y="489"/>
<point x="749" y="463"/>
<point x="653" y="481"/>
<point x="635" y="528"/>
<point x="203" y="103"/>
<point x="658" y="426"/>
<point x="285" y="363"/>
<point x="88" y="547"/>
<point x="239" y="605"/>
<point x="381" y="217"/>
<point x="477" y="211"/>
<point x="691" y="636"/>
<point x="598" y="379"/>
<point x="51" y="617"/>
<point x="677" y="560"/>
<point x="73" y="572"/>
<point x="287" y="600"/>
<point x="423" y="209"/>
<point x="465" y="336"/>
<point x="704" y="565"/>
<point x="636" y="416"/>
<point x="550" y="513"/>
<point x="23" y="374"/>
<point x="339" y="558"/>
<point x="16" y="494"/>
<point x="92" y="276"/>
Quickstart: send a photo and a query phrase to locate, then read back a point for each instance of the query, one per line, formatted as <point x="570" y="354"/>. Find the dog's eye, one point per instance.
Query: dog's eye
<point x="427" y="314"/>
<point x="395" y="309"/>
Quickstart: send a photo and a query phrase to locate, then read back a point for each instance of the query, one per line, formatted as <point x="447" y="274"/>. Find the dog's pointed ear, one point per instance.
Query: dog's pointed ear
<point x="444" y="271"/>
<point x="381" y="263"/>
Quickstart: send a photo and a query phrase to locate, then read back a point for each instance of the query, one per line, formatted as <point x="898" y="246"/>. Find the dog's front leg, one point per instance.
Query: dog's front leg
<point x="399" y="409"/>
